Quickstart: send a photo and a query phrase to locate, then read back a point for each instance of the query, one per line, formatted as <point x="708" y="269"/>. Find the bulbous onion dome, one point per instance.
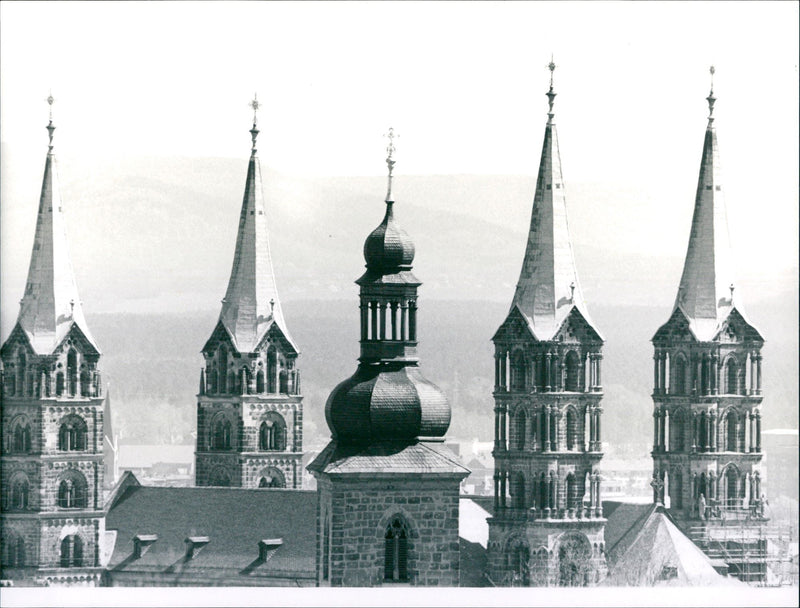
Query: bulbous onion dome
<point x="386" y="403"/>
<point x="388" y="248"/>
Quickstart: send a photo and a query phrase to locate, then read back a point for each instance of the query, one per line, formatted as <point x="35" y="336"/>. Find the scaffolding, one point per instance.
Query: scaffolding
<point x="754" y="551"/>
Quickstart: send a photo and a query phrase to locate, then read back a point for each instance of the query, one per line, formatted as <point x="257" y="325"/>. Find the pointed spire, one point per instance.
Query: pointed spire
<point x="51" y="305"/>
<point x="548" y="287"/>
<point x="251" y="303"/>
<point x="705" y="293"/>
<point x="390" y="162"/>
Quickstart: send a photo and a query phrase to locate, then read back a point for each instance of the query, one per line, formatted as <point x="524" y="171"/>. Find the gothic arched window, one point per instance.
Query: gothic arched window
<point x="517" y="371"/>
<point x="13" y="551"/>
<point x="260" y="381"/>
<point x="676" y="490"/>
<point x="72" y="434"/>
<point x="223" y="369"/>
<point x="573" y="368"/>
<point x="59" y="384"/>
<point x="518" y="491"/>
<point x="395" y="564"/>
<point x="731" y="377"/>
<point x="572" y="430"/>
<point x="72" y="371"/>
<point x="20" y="490"/>
<point x="272" y="370"/>
<point x="732" y="432"/>
<point x="221" y="435"/>
<point x="678" y="384"/>
<point x="71" y="551"/>
<point x="272" y="433"/>
<point x="572" y="492"/>
<point x="21" y="440"/>
<point x="85" y="384"/>
<point x="72" y="491"/>
<point x="520" y="421"/>
<point x="22" y="368"/>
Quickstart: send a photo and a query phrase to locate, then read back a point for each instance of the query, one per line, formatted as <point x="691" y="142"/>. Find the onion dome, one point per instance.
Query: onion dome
<point x="388" y="248"/>
<point x="379" y="404"/>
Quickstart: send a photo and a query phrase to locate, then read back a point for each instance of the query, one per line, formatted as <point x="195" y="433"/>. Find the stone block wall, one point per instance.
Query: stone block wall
<point x="53" y="531"/>
<point x="361" y="511"/>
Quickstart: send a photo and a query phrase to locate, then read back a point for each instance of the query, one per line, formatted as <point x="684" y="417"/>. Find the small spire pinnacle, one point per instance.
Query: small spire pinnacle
<point x="272" y="306"/>
<point x="50" y="127"/>
<point x="390" y="149"/>
<point x="731" y="288"/>
<point x="254" y="131"/>
<point x="711" y="99"/>
<point x="572" y="291"/>
<point x="551" y="95"/>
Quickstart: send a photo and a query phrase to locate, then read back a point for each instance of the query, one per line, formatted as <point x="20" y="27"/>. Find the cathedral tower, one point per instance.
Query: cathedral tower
<point x="387" y="489"/>
<point x="52" y="417"/>
<point x="548" y="523"/>
<point x="250" y="409"/>
<point x="707" y="376"/>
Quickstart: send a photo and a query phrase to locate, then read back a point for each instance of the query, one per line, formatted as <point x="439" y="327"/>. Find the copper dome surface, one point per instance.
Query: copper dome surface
<point x="388" y="248"/>
<point x="386" y="403"/>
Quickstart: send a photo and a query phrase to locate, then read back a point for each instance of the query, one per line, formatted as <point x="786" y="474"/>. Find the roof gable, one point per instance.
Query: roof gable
<point x="736" y="328"/>
<point x="514" y="328"/>
<point x="676" y="329"/>
<point x="576" y="328"/>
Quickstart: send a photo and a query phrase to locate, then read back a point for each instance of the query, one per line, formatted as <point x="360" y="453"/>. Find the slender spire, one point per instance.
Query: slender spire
<point x="705" y="293"/>
<point x="548" y="287"/>
<point x="390" y="162"/>
<point x="251" y="304"/>
<point x="51" y="305"/>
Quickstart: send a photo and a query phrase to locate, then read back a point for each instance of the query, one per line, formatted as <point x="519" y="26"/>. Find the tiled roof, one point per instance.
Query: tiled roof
<point x="251" y="303"/>
<point x="704" y="295"/>
<point x="654" y="552"/>
<point x="548" y="287"/>
<point x="51" y="305"/>
<point x="233" y="519"/>
<point x="426" y="457"/>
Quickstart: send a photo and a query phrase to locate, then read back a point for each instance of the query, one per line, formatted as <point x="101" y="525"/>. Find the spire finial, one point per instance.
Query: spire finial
<point x="390" y="149"/>
<point x="572" y="291"/>
<point x="50" y="127"/>
<point x="551" y="95"/>
<point x="254" y="131"/>
<point x="711" y="99"/>
<point x="731" y="288"/>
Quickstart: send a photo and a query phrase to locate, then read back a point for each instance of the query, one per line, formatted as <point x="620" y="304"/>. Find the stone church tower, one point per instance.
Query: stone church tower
<point x="387" y="489"/>
<point x="548" y="523"/>
<point x="52" y="418"/>
<point x="707" y="377"/>
<point x="250" y="408"/>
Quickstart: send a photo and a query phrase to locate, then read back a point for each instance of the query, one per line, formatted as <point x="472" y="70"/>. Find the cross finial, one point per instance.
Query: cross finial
<point x="272" y="305"/>
<point x="572" y="291"/>
<point x="731" y="288"/>
<point x="551" y="95"/>
<point x="711" y="99"/>
<point x="254" y="131"/>
<point x="390" y="149"/>
<point x="50" y="127"/>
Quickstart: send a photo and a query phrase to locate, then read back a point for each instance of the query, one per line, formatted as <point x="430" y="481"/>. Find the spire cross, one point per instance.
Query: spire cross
<point x="50" y="127"/>
<point x="711" y="99"/>
<point x="731" y="288"/>
<point x="390" y="150"/>
<point x="551" y="95"/>
<point x="572" y="291"/>
<point x="254" y="131"/>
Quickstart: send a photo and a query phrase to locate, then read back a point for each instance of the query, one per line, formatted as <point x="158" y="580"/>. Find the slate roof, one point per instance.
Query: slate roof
<point x="51" y="305"/>
<point x="233" y="519"/>
<point x="704" y="295"/>
<point x="423" y="457"/>
<point x="251" y="303"/>
<point x="653" y="551"/>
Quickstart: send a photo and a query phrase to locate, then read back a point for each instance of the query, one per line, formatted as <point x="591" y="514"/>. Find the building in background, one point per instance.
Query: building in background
<point x="707" y="392"/>
<point x="547" y="524"/>
<point x="52" y="519"/>
<point x="387" y="487"/>
<point x="249" y="408"/>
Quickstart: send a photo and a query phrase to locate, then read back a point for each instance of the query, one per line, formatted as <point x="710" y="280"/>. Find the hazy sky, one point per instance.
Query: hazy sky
<point x="462" y="83"/>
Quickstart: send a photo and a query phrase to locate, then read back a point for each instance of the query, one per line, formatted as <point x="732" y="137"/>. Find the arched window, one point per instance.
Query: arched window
<point x="272" y="370"/>
<point x="22" y="368"/>
<point x="272" y="433"/>
<point x="678" y="385"/>
<point x="13" y="551"/>
<point x="85" y="384"/>
<point x="519" y="562"/>
<point x="260" y="381"/>
<point x="71" y="551"/>
<point x="731" y="486"/>
<point x="10" y="381"/>
<point x="72" y="434"/>
<point x="271" y="478"/>
<point x="72" y="491"/>
<point x="677" y="432"/>
<point x="72" y="371"/>
<point x="221" y="434"/>
<point x="573" y="372"/>
<point x="518" y="491"/>
<point x="572" y="492"/>
<point x="395" y="564"/>
<point x="572" y="430"/>
<point x="59" y="384"/>
<point x="731" y="377"/>
<point x="517" y="372"/>
<point x="520" y="421"/>
<point x="732" y="432"/>
<point x="19" y="493"/>
<point x="542" y="494"/>
<point x="284" y="382"/>
<point x="222" y="357"/>
<point x="21" y="441"/>
<point x="676" y="490"/>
